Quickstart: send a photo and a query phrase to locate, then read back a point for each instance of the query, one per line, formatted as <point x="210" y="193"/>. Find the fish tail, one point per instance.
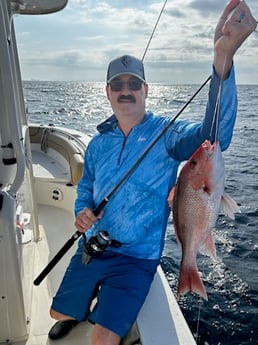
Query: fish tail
<point x="189" y="280"/>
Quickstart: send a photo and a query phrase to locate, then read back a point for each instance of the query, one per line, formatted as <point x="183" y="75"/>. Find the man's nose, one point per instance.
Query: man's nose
<point x="125" y="87"/>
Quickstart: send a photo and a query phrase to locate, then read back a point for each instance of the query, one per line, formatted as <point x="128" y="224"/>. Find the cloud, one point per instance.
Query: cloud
<point x="207" y="7"/>
<point x="79" y="41"/>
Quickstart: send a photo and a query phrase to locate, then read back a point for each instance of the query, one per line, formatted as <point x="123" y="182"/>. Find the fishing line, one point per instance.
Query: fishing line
<point x="215" y="120"/>
<point x="215" y="130"/>
<point x="200" y="303"/>
<point x="153" y="31"/>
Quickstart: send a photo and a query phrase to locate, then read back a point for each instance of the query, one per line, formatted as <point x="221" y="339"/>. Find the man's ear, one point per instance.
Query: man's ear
<point x="146" y="88"/>
<point x="107" y="92"/>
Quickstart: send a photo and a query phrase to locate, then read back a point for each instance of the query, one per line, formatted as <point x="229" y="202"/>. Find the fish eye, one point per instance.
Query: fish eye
<point x="206" y="189"/>
<point x="193" y="162"/>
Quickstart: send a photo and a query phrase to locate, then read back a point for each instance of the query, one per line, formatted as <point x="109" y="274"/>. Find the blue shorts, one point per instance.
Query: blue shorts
<point x="120" y="283"/>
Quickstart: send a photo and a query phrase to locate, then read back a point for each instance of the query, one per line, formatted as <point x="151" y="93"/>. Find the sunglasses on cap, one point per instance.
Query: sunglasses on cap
<point x="132" y="84"/>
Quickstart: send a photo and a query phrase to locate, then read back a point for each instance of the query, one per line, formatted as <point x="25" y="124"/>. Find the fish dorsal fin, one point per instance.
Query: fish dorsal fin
<point x="228" y="206"/>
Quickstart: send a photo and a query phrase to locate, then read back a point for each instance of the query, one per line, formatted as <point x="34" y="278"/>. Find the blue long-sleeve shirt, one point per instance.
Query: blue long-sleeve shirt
<point x="136" y="215"/>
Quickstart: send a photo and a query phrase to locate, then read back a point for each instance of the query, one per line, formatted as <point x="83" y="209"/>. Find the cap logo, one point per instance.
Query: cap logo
<point x="126" y="61"/>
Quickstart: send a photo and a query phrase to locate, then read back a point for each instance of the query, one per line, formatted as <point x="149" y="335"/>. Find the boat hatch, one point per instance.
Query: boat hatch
<point x="37" y="6"/>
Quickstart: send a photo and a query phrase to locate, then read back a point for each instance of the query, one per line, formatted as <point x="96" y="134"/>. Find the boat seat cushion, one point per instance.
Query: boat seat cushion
<point x="52" y="146"/>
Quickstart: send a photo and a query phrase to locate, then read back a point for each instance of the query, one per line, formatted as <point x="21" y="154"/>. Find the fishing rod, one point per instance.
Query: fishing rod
<point x="104" y="202"/>
<point x="153" y="31"/>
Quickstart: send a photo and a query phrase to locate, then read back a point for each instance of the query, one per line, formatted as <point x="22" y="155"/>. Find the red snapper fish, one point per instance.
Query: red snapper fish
<point x="196" y="201"/>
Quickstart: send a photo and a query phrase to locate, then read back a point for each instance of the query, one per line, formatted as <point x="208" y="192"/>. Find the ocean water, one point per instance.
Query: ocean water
<point x="229" y="317"/>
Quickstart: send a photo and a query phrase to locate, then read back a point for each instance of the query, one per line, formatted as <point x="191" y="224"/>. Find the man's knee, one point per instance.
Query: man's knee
<point x="58" y="316"/>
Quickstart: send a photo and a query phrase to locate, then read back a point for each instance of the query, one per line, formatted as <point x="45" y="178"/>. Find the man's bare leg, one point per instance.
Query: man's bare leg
<point x="58" y="316"/>
<point x="103" y="336"/>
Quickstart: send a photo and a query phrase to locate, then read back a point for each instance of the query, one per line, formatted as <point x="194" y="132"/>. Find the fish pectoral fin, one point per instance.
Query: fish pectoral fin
<point x="208" y="247"/>
<point x="228" y="206"/>
<point x="171" y="197"/>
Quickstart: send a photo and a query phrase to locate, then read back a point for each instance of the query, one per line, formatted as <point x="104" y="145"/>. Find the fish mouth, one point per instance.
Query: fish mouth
<point x="209" y="147"/>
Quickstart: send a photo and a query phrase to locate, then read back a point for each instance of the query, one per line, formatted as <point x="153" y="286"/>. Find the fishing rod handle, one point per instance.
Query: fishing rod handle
<point x="66" y="247"/>
<point x="57" y="258"/>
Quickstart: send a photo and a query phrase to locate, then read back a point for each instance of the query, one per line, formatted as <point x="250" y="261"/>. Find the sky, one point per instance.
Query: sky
<point x="78" y="42"/>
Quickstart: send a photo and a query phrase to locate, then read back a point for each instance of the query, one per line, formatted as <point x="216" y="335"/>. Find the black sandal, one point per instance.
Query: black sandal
<point x="61" y="328"/>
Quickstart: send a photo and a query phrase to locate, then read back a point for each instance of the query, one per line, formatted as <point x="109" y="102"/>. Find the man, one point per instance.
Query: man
<point x="135" y="218"/>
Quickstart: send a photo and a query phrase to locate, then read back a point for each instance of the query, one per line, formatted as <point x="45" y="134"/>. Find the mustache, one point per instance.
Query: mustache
<point x="126" y="98"/>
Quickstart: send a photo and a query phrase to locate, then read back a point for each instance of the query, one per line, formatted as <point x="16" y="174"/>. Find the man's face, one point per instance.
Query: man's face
<point x="127" y="95"/>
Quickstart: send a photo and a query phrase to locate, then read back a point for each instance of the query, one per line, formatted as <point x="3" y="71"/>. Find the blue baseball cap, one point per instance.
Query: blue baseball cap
<point x="125" y="64"/>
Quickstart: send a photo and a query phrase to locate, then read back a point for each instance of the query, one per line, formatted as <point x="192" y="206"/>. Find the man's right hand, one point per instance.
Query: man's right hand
<point x="85" y="219"/>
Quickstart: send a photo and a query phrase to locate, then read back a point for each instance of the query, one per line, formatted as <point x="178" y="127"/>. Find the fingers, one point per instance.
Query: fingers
<point x="240" y="23"/>
<point x="235" y="25"/>
<point x="238" y="11"/>
<point x="229" y="8"/>
<point x="86" y="219"/>
<point x="242" y="15"/>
